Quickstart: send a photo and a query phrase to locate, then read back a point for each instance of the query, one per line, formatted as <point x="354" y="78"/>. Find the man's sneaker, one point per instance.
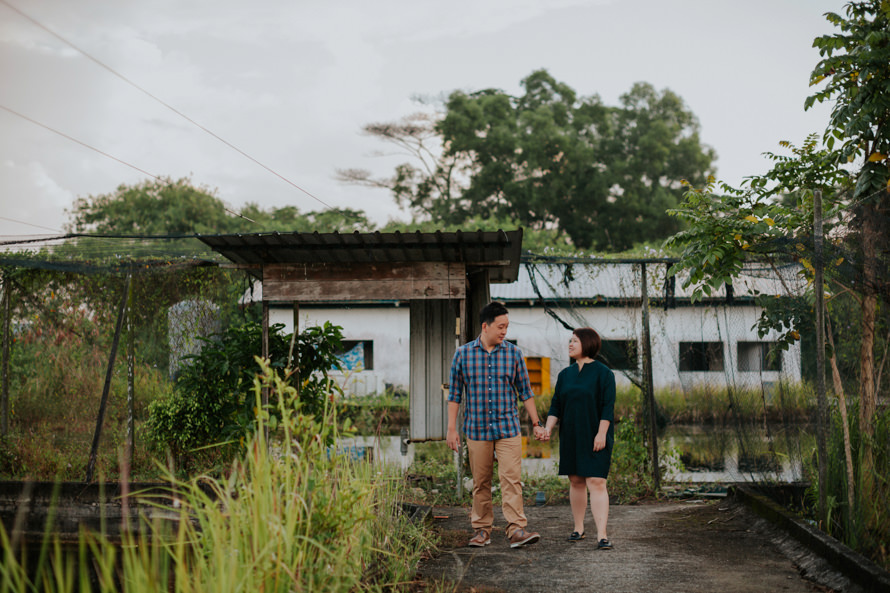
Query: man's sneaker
<point x="521" y="537"/>
<point x="479" y="539"/>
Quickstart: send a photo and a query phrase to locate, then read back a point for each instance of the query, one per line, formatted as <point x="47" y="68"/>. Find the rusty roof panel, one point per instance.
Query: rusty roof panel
<point x="499" y="251"/>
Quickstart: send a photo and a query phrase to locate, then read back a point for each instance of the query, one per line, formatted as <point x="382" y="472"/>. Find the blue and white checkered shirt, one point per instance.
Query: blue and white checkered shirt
<point x="492" y="381"/>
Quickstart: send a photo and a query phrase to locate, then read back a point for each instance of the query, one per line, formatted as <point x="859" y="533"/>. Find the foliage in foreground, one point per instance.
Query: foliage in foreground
<point x="301" y="518"/>
<point x="211" y="402"/>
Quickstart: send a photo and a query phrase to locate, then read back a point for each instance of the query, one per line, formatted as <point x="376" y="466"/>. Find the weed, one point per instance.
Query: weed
<point x="291" y="514"/>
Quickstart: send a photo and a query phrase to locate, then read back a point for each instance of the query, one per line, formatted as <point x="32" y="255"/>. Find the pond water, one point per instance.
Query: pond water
<point x="692" y="453"/>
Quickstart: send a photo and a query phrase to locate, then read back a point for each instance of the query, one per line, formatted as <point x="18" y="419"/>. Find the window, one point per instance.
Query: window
<point x="619" y="355"/>
<point x="759" y="356"/>
<point x="701" y="356"/>
<point x="357" y="355"/>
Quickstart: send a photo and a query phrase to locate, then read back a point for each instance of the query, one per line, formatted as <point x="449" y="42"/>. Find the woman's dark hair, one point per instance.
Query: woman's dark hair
<point x="590" y="341"/>
<point x="492" y="311"/>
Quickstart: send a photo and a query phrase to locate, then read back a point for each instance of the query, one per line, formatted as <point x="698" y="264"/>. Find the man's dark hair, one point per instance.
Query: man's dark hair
<point x="590" y="341"/>
<point x="491" y="311"/>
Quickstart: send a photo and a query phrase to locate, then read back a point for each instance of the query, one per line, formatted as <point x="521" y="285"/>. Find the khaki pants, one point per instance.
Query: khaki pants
<point x="509" y="454"/>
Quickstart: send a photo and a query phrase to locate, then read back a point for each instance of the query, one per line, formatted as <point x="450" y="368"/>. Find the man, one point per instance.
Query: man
<point x="492" y="373"/>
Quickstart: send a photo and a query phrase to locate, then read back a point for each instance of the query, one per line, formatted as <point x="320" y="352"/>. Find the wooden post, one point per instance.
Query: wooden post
<point x="647" y="378"/>
<point x="821" y="399"/>
<point x="94" y="450"/>
<point x="4" y="397"/>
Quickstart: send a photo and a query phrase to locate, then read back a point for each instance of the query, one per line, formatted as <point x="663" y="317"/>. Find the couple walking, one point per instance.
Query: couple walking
<point x="490" y="373"/>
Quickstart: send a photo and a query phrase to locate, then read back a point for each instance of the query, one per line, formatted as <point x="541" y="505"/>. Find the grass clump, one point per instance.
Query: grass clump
<point x="291" y="514"/>
<point x="57" y="375"/>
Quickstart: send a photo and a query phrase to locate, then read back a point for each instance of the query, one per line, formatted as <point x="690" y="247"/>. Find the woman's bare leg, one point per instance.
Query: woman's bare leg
<point x="578" y="500"/>
<point x="599" y="505"/>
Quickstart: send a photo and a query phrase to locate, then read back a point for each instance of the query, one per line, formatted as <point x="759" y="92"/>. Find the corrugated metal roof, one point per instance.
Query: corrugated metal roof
<point x="499" y="251"/>
<point x="621" y="281"/>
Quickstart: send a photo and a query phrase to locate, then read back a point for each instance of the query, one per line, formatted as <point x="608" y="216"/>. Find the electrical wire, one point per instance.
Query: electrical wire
<point x="84" y="144"/>
<point x="165" y="104"/>
<point x="36" y="226"/>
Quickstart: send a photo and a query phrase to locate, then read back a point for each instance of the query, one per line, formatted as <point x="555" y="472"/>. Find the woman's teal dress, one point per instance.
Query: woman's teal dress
<point x="580" y="401"/>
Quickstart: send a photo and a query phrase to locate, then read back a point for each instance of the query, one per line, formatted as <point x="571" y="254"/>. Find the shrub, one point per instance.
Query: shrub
<point x="211" y="403"/>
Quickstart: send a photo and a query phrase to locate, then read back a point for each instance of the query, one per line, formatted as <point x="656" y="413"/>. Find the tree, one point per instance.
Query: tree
<point x="428" y="179"/>
<point x="550" y="160"/>
<point x="855" y="66"/>
<point x="726" y="230"/>
<point x="289" y="219"/>
<point x="167" y="207"/>
<point x="160" y="207"/>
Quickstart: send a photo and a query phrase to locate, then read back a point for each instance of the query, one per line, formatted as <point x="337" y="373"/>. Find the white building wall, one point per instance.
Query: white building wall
<point x="387" y="326"/>
<point x="538" y="334"/>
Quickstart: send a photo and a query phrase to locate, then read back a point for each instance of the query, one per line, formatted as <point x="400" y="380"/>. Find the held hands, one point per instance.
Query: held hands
<point x="541" y="433"/>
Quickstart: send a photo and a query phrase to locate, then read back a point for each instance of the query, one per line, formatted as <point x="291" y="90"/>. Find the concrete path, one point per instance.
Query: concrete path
<point x="683" y="547"/>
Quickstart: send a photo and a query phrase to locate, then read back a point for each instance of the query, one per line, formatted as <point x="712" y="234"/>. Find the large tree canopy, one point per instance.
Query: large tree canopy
<point x="163" y="208"/>
<point x="549" y="159"/>
<point x="167" y="207"/>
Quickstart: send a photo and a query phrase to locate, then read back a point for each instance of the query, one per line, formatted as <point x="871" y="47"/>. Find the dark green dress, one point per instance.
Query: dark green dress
<point x="580" y="401"/>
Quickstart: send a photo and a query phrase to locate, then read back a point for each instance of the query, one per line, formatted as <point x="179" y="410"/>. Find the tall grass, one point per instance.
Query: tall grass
<point x="864" y="523"/>
<point x="57" y="377"/>
<point x="291" y="514"/>
<point x="707" y="404"/>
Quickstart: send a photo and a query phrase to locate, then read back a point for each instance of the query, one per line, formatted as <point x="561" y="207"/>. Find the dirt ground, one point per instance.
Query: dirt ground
<point x="690" y="547"/>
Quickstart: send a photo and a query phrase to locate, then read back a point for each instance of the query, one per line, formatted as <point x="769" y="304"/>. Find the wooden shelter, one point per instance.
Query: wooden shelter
<point x="444" y="277"/>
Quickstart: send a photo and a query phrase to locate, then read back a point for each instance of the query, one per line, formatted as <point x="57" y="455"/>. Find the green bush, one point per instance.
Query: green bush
<point x="211" y="402"/>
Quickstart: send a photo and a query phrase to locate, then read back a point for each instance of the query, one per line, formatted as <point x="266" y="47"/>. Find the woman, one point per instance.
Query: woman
<point x="584" y="403"/>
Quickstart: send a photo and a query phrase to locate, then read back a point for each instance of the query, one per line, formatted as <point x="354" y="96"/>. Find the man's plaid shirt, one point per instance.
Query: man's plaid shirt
<point x="492" y="381"/>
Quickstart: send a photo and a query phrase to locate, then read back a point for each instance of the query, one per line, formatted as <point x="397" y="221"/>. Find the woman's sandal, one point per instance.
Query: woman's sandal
<point x="576" y="537"/>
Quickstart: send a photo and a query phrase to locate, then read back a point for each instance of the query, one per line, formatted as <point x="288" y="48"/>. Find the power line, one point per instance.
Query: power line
<point x="84" y="144"/>
<point x="165" y="104"/>
<point x="36" y="226"/>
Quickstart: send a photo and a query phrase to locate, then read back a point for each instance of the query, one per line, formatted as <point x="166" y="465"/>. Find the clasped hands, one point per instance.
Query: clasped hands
<point x="541" y="433"/>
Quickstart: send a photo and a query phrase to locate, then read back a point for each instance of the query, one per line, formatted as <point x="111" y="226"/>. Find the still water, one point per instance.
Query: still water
<point x="689" y="453"/>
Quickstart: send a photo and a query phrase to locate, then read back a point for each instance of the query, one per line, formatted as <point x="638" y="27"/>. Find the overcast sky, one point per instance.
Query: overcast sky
<point x="291" y="83"/>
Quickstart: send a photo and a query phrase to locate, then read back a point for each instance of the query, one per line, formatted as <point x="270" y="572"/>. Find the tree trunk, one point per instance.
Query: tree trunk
<point x="845" y="423"/>
<point x="867" y="391"/>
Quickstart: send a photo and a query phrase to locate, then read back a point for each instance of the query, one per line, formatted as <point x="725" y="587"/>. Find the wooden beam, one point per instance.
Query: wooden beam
<point x="363" y="281"/>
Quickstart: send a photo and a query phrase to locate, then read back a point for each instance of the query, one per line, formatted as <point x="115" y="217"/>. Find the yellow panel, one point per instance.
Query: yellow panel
<point x="538" y="373"/>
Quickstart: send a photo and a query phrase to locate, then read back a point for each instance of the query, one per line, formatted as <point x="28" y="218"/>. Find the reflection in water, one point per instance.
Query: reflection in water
<point x="702" y="453"/>
<point x="383" y="449"/>
<point x="744" y="453"/>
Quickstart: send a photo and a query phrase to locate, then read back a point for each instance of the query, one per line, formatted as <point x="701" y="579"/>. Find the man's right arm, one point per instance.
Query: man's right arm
<point x="453" y="438"/>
